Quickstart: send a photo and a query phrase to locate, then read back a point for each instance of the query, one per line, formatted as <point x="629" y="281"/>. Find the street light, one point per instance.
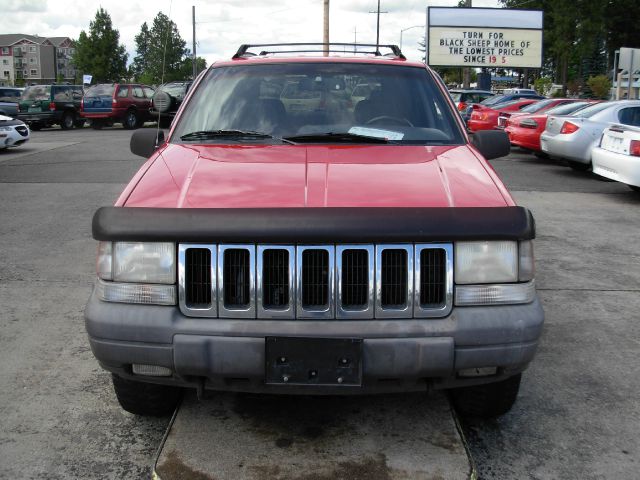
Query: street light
<point x="405" y="29"/>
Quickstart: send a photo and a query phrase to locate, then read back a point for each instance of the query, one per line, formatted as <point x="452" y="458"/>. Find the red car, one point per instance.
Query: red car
<point x="281" y="239"/>
<point x="486" y="118"/>
<point x="109" y="103"/>
<point x="524" y="129"/>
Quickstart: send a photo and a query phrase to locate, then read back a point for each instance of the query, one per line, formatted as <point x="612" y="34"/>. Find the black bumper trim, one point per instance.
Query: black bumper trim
<point x="318" y="225"/>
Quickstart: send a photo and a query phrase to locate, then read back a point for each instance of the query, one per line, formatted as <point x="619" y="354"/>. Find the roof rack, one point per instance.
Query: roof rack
<point x="243" y="51"/>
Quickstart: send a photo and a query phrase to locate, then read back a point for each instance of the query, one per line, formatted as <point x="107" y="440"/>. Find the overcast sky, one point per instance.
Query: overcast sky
<point x="222" y="25"/>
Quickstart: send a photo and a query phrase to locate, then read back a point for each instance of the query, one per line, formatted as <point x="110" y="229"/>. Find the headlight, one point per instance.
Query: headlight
<point x="486" y="262"/>
<point x="136" y="262"/>
<point x="144" y="262"/>
<point x="6" y="129"/>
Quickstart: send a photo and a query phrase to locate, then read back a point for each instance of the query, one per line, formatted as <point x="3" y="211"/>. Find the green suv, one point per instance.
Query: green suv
<point x="47" y="105"/>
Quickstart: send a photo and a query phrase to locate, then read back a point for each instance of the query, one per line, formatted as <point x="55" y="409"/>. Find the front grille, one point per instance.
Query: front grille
<point x="307" y="282"/>
<point x="432" y="277"/>
<point x="355" y="278"/>
<point x="315" y="279"/>
<point x="198" y="277"/>
<point x="237" y="281"/>
<point x="394" y="278"/>
<point x="275" y="278"/>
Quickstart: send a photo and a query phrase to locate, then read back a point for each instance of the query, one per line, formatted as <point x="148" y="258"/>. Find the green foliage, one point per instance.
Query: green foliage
<point x="186" y="69"/>
<point x="160" y="52"/>
<point x="99" y="53"/>
<point x="60" y="78"/>
<point x="19" y="82"/>
<point x="543" y="85"/>
<point x="600" y="86"/>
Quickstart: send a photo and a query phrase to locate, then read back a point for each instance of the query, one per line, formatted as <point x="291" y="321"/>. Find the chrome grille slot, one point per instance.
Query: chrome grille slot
<point x="198" y="277"/>
<point x="355" y="275"/>
<point x="434" y="280"/>
<point x="315" y="281"/>
<point x="394" y="281"/>
<point x="275" y="278"/>
<point x="236" y="277"/>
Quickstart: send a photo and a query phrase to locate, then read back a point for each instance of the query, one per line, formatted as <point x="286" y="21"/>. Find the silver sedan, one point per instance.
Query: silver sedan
<point x="573" y="137"/>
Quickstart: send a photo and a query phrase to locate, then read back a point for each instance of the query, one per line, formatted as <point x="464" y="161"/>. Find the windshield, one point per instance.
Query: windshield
<point x="536" y="107"/>
<point x="496" y="99"/>
<point x="37" y="92"/>
<point x="101" y="91"/>
<point x="567" y="108"/>
<point x="315" y="101"/>
<point x="592" y="110"/>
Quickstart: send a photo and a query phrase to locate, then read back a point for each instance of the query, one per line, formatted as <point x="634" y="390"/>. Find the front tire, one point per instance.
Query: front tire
<point x="147" y="399"/>
<point x="488" y="400"/>
<point x="68" y="120"/>
<point x="131" y="121"/>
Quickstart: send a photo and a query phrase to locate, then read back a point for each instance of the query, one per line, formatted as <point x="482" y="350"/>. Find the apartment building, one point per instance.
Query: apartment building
<point x="30" y="59"/>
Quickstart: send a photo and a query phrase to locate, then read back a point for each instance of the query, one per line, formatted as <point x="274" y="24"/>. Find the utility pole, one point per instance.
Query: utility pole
<point x="355" y="38"/>
<point x="193" y="55"/>
<point x="378" y="12"/>
<point x="466" y="71"/>
<point x="326" y="28"/>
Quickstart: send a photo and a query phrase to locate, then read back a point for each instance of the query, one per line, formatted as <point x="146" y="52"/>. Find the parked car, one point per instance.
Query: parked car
<point x="47" y="105"/>
<point x="573" y="137"/>
<point x="10" y="94"/>
<point x="464" y="97"/>
<point x="486" y="118"/>
<point x="536" y="107"/>
<point x="617" y="157"/>
<point x="13" y="132"/>
<point x="524" y="130"/>
<point x="166" y="100"/>
<point x="495" y="100"/>
<point x="294" y="251"/>
<point x="525" y="91"/>
<point x="9" y="109"/>
<point x="108" y="103"/>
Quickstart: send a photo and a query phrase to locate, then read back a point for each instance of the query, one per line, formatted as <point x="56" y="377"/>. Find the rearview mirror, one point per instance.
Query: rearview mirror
<point x="491" y="143"/>
<point x="145" y="142"/>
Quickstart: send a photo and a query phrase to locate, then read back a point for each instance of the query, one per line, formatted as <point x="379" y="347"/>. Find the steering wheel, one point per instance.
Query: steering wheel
<point x="397" y="120"/>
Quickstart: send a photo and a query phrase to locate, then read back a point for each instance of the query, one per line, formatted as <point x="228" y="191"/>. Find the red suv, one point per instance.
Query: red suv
<point x="106" y="104"/>
<point x="296" y="241"/>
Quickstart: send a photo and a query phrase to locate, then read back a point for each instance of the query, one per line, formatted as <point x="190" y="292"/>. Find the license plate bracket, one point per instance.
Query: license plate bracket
<point x="313" y="361"/>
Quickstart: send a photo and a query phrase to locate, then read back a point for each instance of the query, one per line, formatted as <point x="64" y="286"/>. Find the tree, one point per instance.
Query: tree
<point x="160" y="52"/>
<point x="99" y="53"/>
<point x="600" y="86"/>
<point x="186" y="69"/>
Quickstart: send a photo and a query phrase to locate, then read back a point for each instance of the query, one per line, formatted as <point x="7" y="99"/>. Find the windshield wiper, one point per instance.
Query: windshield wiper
<point x="335" y="137"/>
<point x="209" y="134"/>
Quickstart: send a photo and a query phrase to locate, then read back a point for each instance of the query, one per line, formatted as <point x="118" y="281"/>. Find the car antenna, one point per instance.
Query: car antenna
<point x="164" y="56"/>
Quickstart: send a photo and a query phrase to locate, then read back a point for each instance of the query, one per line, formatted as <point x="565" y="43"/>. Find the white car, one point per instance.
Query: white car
<point x="573" y="137"/>
<point x="618" y="155"/>
<point x="13" y="132"/>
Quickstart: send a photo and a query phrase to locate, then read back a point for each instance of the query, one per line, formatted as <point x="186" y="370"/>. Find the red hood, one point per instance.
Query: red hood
<point x="233" y="176"/>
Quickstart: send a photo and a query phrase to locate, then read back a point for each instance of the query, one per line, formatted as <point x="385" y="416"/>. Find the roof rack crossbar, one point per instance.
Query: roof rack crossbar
<point x="243" y="50"/>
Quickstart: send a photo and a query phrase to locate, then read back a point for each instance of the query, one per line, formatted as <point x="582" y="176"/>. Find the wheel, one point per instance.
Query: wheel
<point x="68" y="120"/>
<point x="165" y="122"/>
<point x="579" y="167"/>
<point x="35" y="127"/>
<point x="97" y="124"/>
<point x="79" y="123"/>
<point x="146" y="399"/>
<point x="131" y="120"/>
<point x="488" y="400"/>
<point x="635" y="188"/>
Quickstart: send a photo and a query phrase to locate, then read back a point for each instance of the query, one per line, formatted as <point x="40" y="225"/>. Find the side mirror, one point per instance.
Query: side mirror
<point x="144" y="142"/>
<point x="491" y="143"/>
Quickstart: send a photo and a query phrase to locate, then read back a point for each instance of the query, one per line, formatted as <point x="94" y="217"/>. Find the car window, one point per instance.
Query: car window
<point x="496" y="99"/>
<point x="456" y="96"/>
<point x="630" y="116"/>
<point x="536" y="107"/>
<point x="314" y="99"/>
<point x="567" y="108"/>
<point x="101" y="91"/>
<point x="148" y="91"/>
<point x="592" y="110"/>
<point x="137" y="92"/>
<point x="62" y="94"/>
<point x="37" y="92"/>
<point x="123" y="91"/>
<point x="77" y="92"/>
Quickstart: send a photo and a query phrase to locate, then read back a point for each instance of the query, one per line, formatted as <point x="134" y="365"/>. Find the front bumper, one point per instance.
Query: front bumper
<point x="398" y="355"/>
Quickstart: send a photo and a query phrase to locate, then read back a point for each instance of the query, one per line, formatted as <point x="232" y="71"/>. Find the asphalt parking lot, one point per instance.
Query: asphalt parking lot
<point x="577" y="414"/>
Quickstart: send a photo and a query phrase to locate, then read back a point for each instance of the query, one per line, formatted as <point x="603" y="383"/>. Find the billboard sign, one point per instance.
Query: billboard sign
<point x="484" y="37"/>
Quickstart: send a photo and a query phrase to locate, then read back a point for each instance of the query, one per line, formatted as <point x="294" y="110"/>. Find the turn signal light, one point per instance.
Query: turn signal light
<point x="568" y="127"/>
<point x="634" y="148"/>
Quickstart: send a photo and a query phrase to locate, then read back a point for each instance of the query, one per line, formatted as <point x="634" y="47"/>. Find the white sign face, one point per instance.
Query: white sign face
<point x="86" y="79"/>
<point x="485" y="37"/>
<point x="485" y="47"/>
